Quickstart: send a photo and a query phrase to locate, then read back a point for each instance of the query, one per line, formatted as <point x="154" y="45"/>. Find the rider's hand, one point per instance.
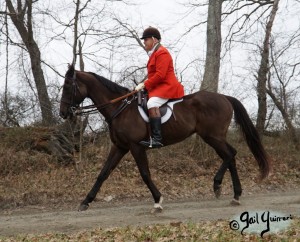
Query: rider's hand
<point x="140" y="86"/>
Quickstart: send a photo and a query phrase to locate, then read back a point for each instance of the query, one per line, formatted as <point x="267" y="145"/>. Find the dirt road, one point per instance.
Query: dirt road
<point x="38" y="220"/>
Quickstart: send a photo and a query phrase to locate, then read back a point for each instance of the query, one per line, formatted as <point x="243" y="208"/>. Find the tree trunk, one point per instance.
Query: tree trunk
<point x="76" y="17"/>
<point x="290" y="127"/>
<point x="213" y="52"/>
<point x="26" y="34"/>
<point x="263" y="72"/>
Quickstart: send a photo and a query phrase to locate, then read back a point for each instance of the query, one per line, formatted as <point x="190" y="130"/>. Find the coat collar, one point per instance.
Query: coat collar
<point x="154" y="50"/>
<point x="157" y="45"/>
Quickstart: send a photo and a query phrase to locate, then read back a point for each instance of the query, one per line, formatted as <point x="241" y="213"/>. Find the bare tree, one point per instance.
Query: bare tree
<point x="218" y="11"/>
<point x="263" y="72"/>
<point x="13" y="110"/>
<point x="282" y="84"/>
<point x="5" y="103"/>
<point x="213" y="50"/>
<point x="248" y="13"/>
<point x="22" y="18"/>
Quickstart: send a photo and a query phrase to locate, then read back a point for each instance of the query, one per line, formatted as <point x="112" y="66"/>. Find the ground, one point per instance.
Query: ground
<point x="39" y="195"/>
<point x="37" y="220"/>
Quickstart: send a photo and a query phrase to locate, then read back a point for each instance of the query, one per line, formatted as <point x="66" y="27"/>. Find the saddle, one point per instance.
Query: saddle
<point x="166" y="110"/>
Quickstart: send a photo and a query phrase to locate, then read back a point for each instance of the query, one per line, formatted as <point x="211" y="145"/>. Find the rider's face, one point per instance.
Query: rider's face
<point x="149" y="43"/>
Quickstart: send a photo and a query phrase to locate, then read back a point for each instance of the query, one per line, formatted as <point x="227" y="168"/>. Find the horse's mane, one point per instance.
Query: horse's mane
<point x="112" y="86"/>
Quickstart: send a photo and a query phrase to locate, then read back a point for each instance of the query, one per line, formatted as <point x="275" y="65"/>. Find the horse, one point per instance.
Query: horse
<point x="205" y="113"/>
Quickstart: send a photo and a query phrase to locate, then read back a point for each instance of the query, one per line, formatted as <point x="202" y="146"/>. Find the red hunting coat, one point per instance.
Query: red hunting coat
<point x="162" y="81"/>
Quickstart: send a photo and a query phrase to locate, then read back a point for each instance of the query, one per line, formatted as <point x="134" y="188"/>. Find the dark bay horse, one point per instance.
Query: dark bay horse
<point x="204" y="113"/>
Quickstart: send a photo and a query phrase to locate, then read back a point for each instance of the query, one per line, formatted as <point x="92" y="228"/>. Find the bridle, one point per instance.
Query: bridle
<point x="75" y="89"/>
<point x="76" y="110"/>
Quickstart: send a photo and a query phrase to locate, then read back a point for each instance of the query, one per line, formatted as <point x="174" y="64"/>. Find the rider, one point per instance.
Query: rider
<point x="161" y="84"/>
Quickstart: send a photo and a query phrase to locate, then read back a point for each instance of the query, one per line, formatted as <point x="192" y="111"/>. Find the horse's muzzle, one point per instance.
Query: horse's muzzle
<point x="66" y="114"/>
<point x="63" y="115"/>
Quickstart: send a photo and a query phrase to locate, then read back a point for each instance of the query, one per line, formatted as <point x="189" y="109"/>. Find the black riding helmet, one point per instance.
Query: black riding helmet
<point x="151" y="32"/>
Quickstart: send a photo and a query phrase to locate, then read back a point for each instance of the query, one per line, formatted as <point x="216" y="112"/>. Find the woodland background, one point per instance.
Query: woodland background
<point x="248" y="49"/>
<point x="244" y="48"/>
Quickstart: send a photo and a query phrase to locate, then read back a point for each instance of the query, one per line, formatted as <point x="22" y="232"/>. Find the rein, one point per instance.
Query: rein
<point x="96" y="108"/>
<point x="76" y="110"/>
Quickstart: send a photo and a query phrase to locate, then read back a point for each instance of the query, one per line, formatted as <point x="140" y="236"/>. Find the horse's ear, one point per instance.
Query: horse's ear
<point x="71" y="70"/>
<point x="71" y="67"/>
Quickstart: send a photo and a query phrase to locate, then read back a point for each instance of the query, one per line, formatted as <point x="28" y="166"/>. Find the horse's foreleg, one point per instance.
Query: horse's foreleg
<point x="114" y="157"/>
<point x="140" y="156"/>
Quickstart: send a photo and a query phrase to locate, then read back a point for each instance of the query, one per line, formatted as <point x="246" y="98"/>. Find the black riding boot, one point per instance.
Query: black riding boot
<point x="155" y="125"/>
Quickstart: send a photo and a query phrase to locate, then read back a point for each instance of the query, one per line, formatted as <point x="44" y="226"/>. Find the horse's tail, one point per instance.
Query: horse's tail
<point x="251" y="135"/>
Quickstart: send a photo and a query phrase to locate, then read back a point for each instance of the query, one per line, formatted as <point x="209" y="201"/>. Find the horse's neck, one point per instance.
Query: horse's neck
<point x="100" y="96"/>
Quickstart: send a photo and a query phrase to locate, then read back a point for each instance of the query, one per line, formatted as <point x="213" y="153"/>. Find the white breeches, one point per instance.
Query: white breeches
<point x="156" y="102"/>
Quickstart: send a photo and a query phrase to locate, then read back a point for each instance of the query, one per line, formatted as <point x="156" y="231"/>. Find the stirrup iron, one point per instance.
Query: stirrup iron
<point x="150" y="141"/>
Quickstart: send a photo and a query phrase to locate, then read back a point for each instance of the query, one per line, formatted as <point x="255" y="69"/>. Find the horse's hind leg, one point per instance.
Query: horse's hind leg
<point x="237" y="188"/>
<point x="219" y="178"/>
<point x="140" y="156"/>
<point x="227" y="154"/>
<point x="114" y="157"/>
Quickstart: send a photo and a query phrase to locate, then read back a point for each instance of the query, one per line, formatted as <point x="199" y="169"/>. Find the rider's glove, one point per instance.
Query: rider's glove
<point x="140" y="86"/>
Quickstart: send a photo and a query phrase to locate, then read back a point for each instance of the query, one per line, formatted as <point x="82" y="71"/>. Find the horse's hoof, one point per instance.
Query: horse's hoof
<point x="218" y="192"/>
<point x="157" y="206"/>
<point x="156" y="210"/>
<point x="235" y="202"/>
<point x="83" y="207"/>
